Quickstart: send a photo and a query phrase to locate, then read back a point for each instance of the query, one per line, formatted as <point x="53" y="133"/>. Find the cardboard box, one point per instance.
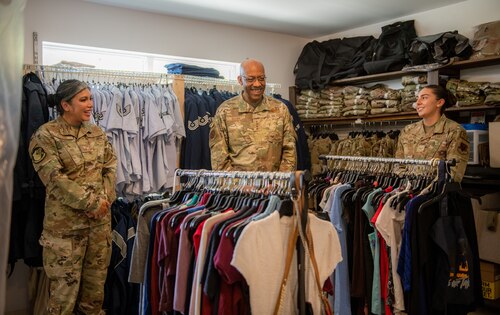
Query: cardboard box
<point x="491" y="290"/>
<point x="490" y="272"/>
<point x="487" y="227"/>
<point x="494" y="139"/>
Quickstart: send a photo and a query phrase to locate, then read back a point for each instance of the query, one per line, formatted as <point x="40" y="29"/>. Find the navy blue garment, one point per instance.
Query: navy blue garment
<point x="218" y="97"/>
<point x="210" y="101"/>
<point x="28" y="204"/>
<point x="199" y="110"/>
<point x="430" y="263"/>
<point x="404" y="261"/>
<point x="303" y="154"/>
<point x="182" y="68"/>
<point x="191" y="146"/>
<point x="120" y="296"/>
<point x="196" y="150"/>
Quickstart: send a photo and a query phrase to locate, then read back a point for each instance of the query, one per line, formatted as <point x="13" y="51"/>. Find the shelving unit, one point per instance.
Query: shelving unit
<point x="451" y="70"/>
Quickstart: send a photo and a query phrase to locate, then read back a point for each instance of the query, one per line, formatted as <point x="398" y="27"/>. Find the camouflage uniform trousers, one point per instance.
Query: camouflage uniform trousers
<point x="76" y="263"/>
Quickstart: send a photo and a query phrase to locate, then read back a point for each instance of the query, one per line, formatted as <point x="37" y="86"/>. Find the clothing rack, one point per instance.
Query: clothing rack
<point x="152" y="77"/>
<point x="432" y="162"/>
<point x="233" y="174"/>
<point x="305" y="177"/>
<point x="207" y="81"/>
<point x="92" y="74"/>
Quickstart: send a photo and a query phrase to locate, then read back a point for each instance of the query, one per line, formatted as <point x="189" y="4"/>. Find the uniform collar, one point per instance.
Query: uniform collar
<point x="438" y="127"/>
<point x="244" y="107"/>
<point x="68" y="130"/>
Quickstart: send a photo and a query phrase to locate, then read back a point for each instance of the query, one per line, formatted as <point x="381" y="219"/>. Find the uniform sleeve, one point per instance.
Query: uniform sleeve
<point x="399" y="153"/>
<point x="46" y="162"/>
<point x="109" y="172"/>
<point x="289" y="151"/>
<point x="219" y="144"/>
<point x="458" y="149"/>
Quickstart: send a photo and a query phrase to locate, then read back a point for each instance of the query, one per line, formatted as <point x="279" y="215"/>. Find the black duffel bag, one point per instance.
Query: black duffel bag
<point x="439" y="48"/>
<point x="391" y="49"/>
<point x="321" y="62"/>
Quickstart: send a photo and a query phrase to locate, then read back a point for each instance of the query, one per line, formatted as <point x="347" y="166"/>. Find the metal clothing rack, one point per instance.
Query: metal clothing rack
<point x="86" y="73"/>
<point x="304" y="179"/>
<point x="232" y="174"/>
<point x="378" y="160"/>
<point x="433" y="163"/>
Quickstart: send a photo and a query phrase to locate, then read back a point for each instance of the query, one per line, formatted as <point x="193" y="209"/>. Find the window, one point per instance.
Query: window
<point x="112" y="59"/>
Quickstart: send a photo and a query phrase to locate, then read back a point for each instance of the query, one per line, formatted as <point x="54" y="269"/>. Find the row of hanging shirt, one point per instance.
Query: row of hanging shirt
<point x="200" y="105"/>
<point x="406" y="248"/>
<point x="144" y="125"/>
<point x="219" y="248"/>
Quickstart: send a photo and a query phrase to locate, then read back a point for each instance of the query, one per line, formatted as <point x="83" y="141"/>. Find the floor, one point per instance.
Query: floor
<point x="490" y="308"/>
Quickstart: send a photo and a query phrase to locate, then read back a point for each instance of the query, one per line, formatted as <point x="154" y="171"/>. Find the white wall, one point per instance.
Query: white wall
<point x="462" y="17"/>
<point x="83" y="23"/>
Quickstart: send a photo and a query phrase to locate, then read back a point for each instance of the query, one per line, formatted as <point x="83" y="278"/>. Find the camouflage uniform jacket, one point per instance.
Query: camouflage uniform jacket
<point x="447" y="141"/>
<point x="245" y="138"/>
<point x="76" y="169"/>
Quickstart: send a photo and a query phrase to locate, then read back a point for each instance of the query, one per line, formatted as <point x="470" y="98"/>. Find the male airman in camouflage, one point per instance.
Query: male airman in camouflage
<point x="252" y="131"/>
<point x="77" y="165"/>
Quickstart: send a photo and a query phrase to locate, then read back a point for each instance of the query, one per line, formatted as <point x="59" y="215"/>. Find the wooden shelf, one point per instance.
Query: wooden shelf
<point x="475" y="63"/>
<point x="374" y="77"/>
<point x="453" y="69"/>
<point x="366" y="118"/>
<point x="465" y="64"/>
<point x="386" y="117"/>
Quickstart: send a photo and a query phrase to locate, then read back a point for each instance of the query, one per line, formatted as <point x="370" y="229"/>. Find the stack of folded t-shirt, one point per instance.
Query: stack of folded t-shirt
<point x="492" y="93"/>
<point x="384" y="100"/>
<point x="356" y="101"/>
<point x="308" y="104"/>
<point x="467" y="93"/>
<point x="331" y="101"/>
<point x="409" y="94"/>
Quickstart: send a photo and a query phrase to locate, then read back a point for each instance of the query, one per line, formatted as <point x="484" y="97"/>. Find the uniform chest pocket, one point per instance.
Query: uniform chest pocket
<point x="70" y="154"/>
<point x="239" y="135"/>
<point x="273" y="132"/>
<point x="92" y="149"/>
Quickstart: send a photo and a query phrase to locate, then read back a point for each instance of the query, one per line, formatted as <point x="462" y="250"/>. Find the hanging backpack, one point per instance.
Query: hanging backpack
<point x="391" y="48"/>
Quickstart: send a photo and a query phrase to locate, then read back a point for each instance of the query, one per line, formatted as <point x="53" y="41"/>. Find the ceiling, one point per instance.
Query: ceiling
<point x="303" y="18"/>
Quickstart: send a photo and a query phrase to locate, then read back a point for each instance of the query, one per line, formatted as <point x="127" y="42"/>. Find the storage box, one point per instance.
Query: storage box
<point x="494" y="137"/>
<point x="487" y="227"/>
<point x="491" y="290"/>
<point x="477" y="134"/>
<point x="490" y="272"/>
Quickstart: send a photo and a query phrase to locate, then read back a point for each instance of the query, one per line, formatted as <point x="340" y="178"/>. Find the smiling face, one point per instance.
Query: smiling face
<point x="253" y="80"/>
<point x="79" y="108"/>
<point x="429" y="106"/>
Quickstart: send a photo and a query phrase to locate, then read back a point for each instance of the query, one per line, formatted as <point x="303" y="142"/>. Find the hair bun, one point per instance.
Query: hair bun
<point x="452" y="99"/>
<point x="52" y="100"/>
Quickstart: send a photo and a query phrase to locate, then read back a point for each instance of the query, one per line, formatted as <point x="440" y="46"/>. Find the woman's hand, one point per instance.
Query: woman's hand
<point x="102" y="211"/>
